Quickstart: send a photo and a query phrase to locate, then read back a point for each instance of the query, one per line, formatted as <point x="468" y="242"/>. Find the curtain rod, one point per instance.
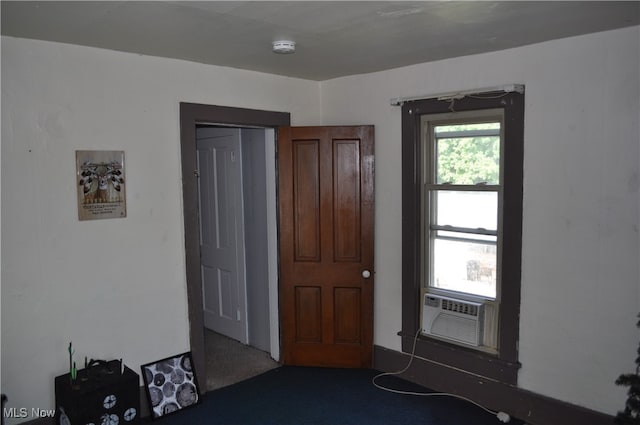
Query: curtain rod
<point x="508" y="88"/>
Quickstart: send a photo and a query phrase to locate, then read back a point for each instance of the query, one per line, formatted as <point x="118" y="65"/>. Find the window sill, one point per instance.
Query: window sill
<point x="466" y="359"/>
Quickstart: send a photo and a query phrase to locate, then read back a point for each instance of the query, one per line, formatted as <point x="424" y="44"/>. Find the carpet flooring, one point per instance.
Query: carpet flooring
<point x="229" y="361"/>
<point x="291" y="395"/>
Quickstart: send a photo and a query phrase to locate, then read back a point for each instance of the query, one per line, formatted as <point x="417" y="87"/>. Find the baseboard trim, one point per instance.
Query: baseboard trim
<point x="535" y="409"/>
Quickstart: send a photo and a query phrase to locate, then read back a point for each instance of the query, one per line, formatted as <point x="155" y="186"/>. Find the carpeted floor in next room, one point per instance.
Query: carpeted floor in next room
<point x="229" y="361"/>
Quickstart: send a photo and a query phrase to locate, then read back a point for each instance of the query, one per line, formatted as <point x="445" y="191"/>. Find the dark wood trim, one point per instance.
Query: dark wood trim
<point x="463" y="358"/>
<point x="532" y="408"/>
<point x="192" y="114"/>
<point x="411" y="163"/>
<point x="504" y="366"/>
<point x="512" y="225"/>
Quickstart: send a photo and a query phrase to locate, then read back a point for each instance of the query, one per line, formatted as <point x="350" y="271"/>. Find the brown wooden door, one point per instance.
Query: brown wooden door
<point x="325" y="186"/>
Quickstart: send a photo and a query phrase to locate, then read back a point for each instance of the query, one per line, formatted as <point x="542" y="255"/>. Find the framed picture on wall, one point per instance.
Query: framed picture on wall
<point x="100" y="185"/>
<point x="171" y="384"/>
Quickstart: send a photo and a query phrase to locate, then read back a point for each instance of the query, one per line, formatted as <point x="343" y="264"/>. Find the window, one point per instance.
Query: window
<point x="462" y="195"/>
<point x="462" y="187"/>
<point x="461" y="223"/>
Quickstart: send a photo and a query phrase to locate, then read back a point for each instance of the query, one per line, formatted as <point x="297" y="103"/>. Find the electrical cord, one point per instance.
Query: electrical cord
<point x="502" y="416"/>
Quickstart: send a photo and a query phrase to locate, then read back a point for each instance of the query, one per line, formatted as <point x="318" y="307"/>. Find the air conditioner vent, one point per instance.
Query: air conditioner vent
<point x="460" y="307"/>
<point x="453" y="319"/>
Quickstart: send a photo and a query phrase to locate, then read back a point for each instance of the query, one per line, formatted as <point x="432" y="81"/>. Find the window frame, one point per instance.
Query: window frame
<point x="503" y="365"/>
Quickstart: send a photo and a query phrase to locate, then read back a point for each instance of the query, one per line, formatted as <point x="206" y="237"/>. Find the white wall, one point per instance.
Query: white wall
<point x="116" y="288"/>
<point x="580" y="277"/>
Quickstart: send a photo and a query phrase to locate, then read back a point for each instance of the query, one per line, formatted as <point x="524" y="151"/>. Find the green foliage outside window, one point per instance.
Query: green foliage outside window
<point x="468" y="160"/>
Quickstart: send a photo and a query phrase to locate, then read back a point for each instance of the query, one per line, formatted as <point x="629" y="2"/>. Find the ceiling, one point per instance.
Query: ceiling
<point x="333" y="39"/>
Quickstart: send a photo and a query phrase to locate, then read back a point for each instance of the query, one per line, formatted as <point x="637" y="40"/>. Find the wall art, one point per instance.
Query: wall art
<point x="101" y="185"/>
<point x="171" y="384"/>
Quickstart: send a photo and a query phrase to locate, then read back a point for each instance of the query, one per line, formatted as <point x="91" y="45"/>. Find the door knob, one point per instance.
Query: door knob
<point x="366" y="274"/>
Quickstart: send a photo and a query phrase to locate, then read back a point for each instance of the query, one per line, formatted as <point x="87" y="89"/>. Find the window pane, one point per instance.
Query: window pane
<point x="442" y="129"/>
<point x="466" y="209"/>
<point x="466" y="154"/>
<point x="464" y="267"/>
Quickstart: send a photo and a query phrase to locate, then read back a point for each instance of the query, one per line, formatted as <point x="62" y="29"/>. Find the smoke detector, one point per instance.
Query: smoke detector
<point x="284" y="46"/>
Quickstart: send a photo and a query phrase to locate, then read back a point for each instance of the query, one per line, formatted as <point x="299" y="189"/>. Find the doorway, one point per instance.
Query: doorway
<point x="192" y="117"/>
<point x="232" y="181"/>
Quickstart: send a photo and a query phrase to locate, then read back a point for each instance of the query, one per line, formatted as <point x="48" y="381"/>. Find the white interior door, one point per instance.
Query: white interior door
<point x="222" y="231"/>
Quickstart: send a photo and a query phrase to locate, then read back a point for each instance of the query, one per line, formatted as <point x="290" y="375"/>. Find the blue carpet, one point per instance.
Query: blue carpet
<point x="323" y="396"/>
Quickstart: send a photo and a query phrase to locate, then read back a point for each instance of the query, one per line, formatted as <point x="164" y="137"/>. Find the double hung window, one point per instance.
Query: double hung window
<point x="463" y="194"/>
<point x="462" y="200"/>
<point x="462" y="230"/>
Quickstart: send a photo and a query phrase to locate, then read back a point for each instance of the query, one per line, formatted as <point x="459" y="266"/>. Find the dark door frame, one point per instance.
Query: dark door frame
<point x="192" y="114"/>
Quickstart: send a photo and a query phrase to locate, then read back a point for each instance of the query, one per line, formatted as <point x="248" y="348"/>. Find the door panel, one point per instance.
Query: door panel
<point x="326" y="242"/>
<point x="346" y="193"/>
<point x="222" y="237"/>
<point x="306" y="209"/>
<point x="347" y="303"/>
<point x="308" y="305"/>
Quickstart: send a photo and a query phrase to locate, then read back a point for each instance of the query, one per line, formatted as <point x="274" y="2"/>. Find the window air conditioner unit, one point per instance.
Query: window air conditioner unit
<point x="453" y="319"/>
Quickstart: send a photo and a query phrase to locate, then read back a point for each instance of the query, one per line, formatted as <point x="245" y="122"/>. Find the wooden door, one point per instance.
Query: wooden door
<point x="325" y="185"/>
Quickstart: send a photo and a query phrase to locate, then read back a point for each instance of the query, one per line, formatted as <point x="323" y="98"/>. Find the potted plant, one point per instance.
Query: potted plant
<point x="631" y="413"/>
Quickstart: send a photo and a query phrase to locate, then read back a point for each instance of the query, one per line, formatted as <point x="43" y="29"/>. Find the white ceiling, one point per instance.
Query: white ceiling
<point x="333" y="38"/>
